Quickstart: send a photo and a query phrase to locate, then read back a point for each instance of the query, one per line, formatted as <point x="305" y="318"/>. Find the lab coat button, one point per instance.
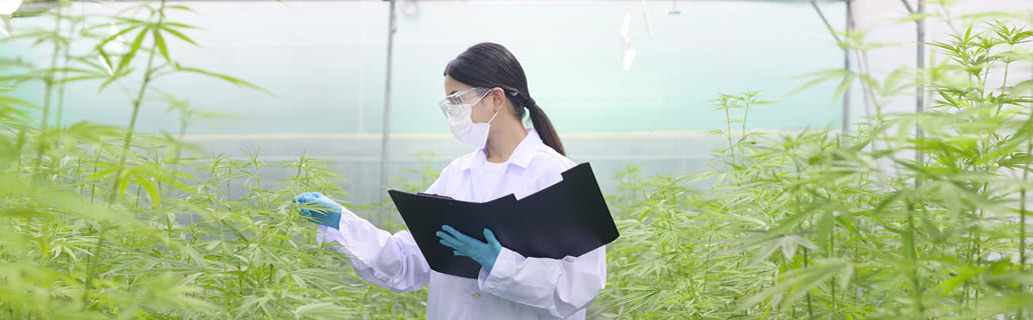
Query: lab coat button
<point x="476" y="295"/>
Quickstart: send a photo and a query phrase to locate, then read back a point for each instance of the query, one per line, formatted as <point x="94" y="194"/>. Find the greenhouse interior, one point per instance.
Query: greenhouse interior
<point x="386" y="159"/>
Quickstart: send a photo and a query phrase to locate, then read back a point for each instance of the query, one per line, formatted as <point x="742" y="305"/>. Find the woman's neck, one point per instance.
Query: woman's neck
<point x="504" y="141"/>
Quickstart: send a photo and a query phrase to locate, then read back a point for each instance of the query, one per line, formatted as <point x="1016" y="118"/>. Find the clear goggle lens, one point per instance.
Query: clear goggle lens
<point x="459" y="103"/>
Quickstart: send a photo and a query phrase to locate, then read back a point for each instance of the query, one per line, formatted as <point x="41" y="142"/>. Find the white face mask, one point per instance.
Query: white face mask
<point x="468" y="132"/>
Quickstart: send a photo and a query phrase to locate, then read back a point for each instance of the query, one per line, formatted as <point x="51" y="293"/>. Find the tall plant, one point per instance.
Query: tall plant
<point x="831" y="225"/>
<point x="115" y="229"/>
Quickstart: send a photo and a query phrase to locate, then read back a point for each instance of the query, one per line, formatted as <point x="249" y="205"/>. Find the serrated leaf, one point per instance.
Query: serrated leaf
<point x="159" y="42"/>
<point x="915" y="17"/>
<point x="179" y="35"/>
<point x="179" y="7"/>
<point x="227" y="78"/>
<point x="133" y="49"/>
<point x="819" y="77"/>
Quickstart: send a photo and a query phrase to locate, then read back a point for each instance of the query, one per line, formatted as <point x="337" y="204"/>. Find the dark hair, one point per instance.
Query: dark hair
<point x="491" y="65"/>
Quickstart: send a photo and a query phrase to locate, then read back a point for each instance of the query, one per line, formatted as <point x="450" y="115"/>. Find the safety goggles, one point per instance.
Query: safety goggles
<point x="458" y="104"/>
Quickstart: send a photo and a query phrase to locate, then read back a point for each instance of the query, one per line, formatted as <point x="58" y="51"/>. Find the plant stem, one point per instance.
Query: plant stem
<point x="44" y="242"/>
<point x="229" y="175"/>
<point x="48" y="92"/>
<point x="742" y="146"/>
<point x="258" y="179"/>
<point x="1004" y="83"/>
<point x="136" y="111"/>
<point x="982" y="82"/>
<point x="810" y="309"/>
<point x="68" y="58"/>
<point x="1022" y="225"/>
<point x="728" y="129"/>
<point x="137" y="204"/>
<point x="178" y="148"/>
<point x="78" y="175"/>
<point x="706" y="270"/>
<point x="159" y="209"/>
<point x="832" y="253"/>
<point x="1022" y="218"/>
<point x="93" y="186"/>
<point x="912" y="254"/>
<point x="92" y="266"/>
<point x="225" y="270"/>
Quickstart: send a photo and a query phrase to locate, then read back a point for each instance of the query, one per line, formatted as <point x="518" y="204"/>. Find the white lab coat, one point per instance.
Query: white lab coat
<point x="517" y="287"/>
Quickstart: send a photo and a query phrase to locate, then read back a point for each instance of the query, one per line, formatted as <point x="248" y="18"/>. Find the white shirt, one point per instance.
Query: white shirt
<point x="517" y="287"/>
<point x="493" y="172"/>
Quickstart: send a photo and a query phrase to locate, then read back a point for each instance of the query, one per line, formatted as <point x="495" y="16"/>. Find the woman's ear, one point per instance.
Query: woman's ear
<point x="498" y="98"/>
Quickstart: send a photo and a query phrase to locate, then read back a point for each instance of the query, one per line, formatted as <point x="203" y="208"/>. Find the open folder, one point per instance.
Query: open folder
<point x="569" y="218"/>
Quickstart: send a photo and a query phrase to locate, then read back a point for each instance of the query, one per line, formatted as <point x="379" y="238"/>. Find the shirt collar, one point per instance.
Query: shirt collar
<point x="521" y="156"/>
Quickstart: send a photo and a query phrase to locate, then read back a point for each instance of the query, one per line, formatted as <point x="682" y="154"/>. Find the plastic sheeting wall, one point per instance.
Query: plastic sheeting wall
<point x="324" y="62"/>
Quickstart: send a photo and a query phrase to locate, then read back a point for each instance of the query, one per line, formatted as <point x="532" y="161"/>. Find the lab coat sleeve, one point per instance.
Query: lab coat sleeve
<point x="560" y="287"/>
<point x="393" y="262"/>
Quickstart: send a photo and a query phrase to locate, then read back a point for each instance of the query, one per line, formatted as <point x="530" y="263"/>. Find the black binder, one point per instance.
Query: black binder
<point x="569" y="218"/>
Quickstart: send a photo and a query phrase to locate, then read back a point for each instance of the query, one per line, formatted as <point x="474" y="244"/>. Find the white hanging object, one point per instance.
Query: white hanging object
<point x="649" y="24"/>
<point x="7" y="7"/>
<point x="409" y="8"/>
<point x="627" y="52"/>
<point x="5" y="26"/>
<point x="114" y="48"/>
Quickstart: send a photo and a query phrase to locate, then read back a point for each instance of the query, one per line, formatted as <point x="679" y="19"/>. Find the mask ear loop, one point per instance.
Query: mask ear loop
<point x="493" y="117"/>
<point x="496" y="112"/>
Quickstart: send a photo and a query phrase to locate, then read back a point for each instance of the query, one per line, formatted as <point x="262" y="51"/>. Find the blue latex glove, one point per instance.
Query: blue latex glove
<point x="483" y="253"/>
<point x="321" y="209"/>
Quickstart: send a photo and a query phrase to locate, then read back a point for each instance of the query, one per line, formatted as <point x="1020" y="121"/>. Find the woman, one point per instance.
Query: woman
<point x="486" y="100"/>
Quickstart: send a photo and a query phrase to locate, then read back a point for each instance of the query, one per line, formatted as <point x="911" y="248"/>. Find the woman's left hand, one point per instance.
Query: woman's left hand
<point x="483" y="253"/>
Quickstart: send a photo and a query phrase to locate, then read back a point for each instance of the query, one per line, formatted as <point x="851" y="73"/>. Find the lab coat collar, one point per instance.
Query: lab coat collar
<point x="521" y="156"/>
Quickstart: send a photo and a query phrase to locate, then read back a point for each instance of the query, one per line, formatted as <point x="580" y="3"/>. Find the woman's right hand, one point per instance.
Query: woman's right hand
<point x="319" y="209"/>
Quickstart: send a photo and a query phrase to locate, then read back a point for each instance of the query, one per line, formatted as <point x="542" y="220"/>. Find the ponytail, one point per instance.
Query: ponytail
<point x="543" y="126"/>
